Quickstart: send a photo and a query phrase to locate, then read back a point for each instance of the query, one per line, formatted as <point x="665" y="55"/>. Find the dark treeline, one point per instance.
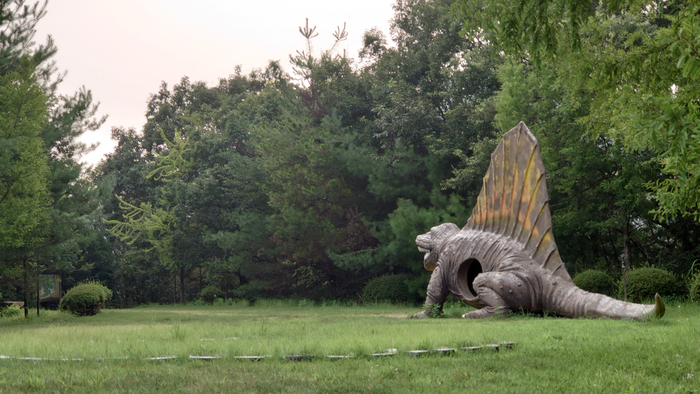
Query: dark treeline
<point x="308" y="184"/>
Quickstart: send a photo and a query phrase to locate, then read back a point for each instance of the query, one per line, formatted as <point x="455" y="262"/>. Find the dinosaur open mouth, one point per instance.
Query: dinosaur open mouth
<point x="427" y="257"/>
<point x="430" y="259"/>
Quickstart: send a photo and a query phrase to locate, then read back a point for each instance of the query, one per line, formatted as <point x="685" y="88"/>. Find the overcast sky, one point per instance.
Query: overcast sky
<point x="123" y="49"/>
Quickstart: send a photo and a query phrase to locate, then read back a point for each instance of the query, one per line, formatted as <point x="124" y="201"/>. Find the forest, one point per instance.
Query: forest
<point x="310" y="182"/>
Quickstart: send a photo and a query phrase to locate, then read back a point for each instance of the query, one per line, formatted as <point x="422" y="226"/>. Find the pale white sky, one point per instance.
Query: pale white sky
<point x="122" y="50"/>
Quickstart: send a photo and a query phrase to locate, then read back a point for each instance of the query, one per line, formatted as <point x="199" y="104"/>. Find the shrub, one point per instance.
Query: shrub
<point x="210" y="293"/>
<point x="595" y="281"/>
<point x="86" y="299"/>
<point x="695" y="288"/>
<point x="304" y="302"/>
<point x="387" y="288"/>
<point x="643" y="283"/>
<point x="10" y="311"/>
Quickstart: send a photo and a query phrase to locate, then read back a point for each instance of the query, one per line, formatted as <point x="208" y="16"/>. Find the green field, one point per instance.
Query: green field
<point x="551" y="355"/>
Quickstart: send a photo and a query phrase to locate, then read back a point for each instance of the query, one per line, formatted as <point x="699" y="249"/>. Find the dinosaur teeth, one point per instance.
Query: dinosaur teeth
<point x="423" y="250"/>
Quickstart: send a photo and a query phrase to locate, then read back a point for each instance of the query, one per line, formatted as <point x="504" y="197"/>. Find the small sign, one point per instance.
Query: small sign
<point x="49" y="286"/>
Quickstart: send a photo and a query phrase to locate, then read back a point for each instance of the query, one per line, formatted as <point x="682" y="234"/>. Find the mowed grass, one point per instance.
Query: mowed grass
<point x="551" y="355"/>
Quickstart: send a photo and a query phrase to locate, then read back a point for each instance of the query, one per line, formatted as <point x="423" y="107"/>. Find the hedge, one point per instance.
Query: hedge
<point x="86" y="299"/>
<point x="595" y="281"/>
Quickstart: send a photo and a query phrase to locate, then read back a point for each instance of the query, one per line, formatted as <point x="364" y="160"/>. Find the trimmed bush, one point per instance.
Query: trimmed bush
<point x="643" y="283"/>
<point x="595" y="281"/>
<point x="695" y="288"/>
<point x="86" y="299"/>
<point x="210" y="293"/>
<point x="390" y="288"/>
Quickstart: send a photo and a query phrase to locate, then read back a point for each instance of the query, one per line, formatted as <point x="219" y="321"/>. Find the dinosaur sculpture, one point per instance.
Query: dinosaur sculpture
<point x="505" y="257"/>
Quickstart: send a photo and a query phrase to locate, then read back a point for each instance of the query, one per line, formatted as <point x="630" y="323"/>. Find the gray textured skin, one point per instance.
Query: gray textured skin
<point x="505" y="258"/>
<point x="510" y="281"/>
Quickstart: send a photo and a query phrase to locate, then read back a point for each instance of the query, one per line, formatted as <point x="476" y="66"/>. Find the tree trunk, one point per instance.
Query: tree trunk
<point x="616" y="256"/>
<point x="38" y="298"/>
<point x="182" y="285"/>
<point x="626" y="253"/>
<point x="26" y="289"/>
<point x="627" y="249"/>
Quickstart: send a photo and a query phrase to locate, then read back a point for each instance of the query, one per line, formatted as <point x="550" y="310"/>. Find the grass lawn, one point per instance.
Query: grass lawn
<point x="551" y="355"/>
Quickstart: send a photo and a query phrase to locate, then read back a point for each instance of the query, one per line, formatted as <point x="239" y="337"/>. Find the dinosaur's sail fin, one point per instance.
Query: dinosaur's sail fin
<point x="514" y="202"/>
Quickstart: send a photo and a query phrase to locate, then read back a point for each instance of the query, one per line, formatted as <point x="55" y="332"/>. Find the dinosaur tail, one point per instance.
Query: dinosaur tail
<point x="572" y="301"/>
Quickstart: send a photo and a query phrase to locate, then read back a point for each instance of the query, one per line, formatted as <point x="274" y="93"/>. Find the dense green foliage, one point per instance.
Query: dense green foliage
<point x="210" y="293"/>
<point x="309" y="183"/>
<point x="390" y="288"/>
<point x="694" y="291"/>
<point x="269" y="186"/>
<point x="595" y="281"/>
<point x="86" y="299"/>
<point x="643" y="283"/>
<point x="640" y="57"/>
<point x="10" y="311"/>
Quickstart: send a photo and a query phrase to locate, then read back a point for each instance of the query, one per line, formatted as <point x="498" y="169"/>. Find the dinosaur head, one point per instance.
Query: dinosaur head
<point x="429" y="243"/>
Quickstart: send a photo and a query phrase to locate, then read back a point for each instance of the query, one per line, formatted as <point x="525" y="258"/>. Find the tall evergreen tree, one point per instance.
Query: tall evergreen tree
<point x="40" y="152"/>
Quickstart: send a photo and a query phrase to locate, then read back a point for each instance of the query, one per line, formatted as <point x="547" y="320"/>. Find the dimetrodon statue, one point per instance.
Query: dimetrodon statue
<point x="505" y="258"/>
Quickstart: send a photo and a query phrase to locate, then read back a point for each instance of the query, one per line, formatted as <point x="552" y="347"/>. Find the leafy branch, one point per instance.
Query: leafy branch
<point x="173" y="164"/>
<point x="303" y="62"/>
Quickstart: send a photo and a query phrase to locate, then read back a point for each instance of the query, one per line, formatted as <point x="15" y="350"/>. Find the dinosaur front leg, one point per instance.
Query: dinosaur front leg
<point x="500" y="292"/>
<point x="436" y="293"/>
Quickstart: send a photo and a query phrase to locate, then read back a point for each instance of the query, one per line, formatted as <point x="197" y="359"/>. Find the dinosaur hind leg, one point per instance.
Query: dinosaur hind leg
<point x="488" y="311"/>
<point x="491" y="288"/>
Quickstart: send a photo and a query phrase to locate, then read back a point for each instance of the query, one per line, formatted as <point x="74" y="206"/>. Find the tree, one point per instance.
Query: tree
<point x="158" y="225"/>
<point x="328" y="82"/>
<point x="640" y="56"/>
<point x="598" y="186"/>
<point x="433" y="93"/>
<point x="308" y="191"/>
<point x="24" y="197"/>
<point x="76" y="201"/>
<point x="214" y="211"/>
<point x="599" y="204"/>
<point x="40" y="153"/>
<point x="432" y="109"/>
